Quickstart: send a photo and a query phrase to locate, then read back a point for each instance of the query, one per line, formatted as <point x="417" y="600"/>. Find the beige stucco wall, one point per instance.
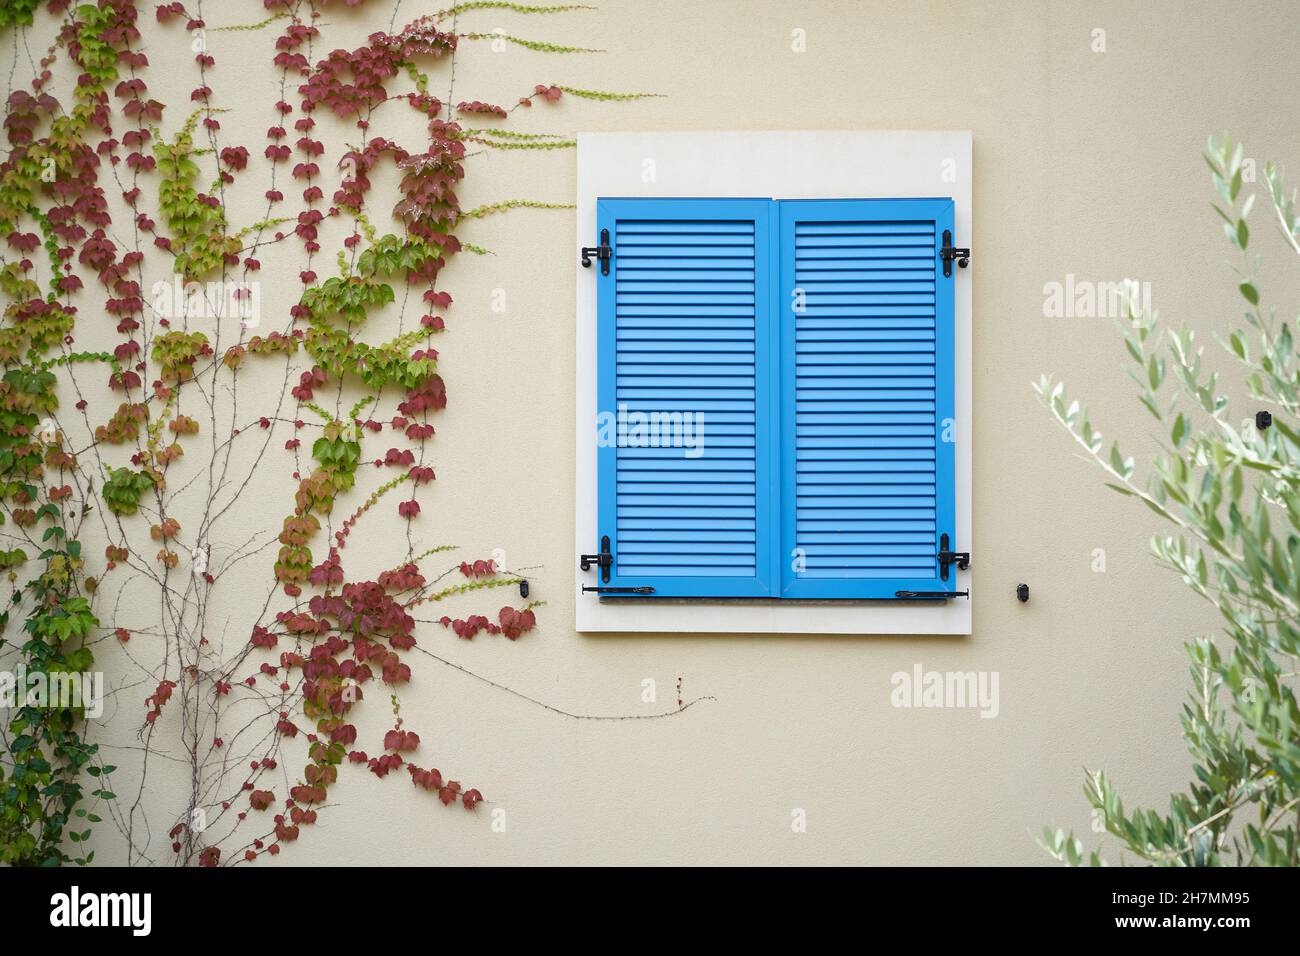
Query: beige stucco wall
<point x="1086" y="163"/>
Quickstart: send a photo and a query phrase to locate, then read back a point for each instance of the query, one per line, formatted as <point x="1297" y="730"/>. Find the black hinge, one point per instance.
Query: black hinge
<point x="640" y="590"/>
<point x="948" y="253"/>
<point x="603" y="252"/>
<point x="946" y="557"/>
<point x="604" y="560"/>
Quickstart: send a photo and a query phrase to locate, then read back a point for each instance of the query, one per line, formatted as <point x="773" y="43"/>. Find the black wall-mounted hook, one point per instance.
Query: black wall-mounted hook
<point x="1022" y="593"/>
<point x="603" y="252"/>
<point x="1263" y="420"/>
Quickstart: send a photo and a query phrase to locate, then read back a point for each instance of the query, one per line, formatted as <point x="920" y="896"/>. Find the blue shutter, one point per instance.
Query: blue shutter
<point x="867" y="343"/>
<point x="685" y="326"/>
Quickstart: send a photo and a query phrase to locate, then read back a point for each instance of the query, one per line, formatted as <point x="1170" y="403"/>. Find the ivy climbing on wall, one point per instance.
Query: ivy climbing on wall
<point x="121" y="222"/>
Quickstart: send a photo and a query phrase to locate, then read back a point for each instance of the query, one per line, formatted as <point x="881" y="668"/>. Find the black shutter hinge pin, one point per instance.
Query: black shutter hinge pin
<point x="959" y="558"/>
<point x="604" y="560"/>
<point x="604" y="252"/>
<point x="949" y="253"/>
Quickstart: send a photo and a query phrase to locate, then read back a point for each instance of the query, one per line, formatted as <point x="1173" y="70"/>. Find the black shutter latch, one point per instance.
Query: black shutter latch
<point x="930" y="595"/>
<point x="604" y="560"/>
<point x="949" y="253"/>
<point x="603" y="252"/>
<point x="946" y="558"/>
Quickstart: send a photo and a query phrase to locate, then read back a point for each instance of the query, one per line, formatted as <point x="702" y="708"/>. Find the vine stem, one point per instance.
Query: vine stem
<point x="556" y="710"/>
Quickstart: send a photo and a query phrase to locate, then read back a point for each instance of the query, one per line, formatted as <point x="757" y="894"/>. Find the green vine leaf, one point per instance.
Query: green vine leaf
<point x="536" y="45"/>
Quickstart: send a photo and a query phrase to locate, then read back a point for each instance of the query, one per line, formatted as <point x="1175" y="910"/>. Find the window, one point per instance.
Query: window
<point x="787" y="165"/>
<point x="775" y="399"/>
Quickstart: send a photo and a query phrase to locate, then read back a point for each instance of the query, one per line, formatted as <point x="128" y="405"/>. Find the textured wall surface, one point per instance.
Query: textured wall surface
<point x="1086" y="163"/>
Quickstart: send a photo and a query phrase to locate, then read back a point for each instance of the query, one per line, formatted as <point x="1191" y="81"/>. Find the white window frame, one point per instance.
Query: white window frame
<point x="871" y="164"/>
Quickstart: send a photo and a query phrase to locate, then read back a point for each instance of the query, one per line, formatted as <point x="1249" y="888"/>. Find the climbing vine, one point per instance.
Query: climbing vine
<point x="117" y="223"/>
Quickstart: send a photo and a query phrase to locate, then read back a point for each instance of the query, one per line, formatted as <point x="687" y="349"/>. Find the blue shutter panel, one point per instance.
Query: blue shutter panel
<point x="687" y="394"/>
<point x="867" y="343"/>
